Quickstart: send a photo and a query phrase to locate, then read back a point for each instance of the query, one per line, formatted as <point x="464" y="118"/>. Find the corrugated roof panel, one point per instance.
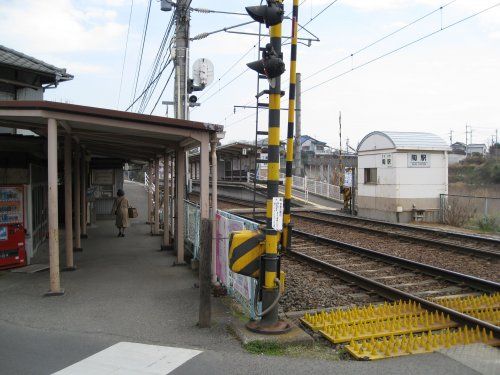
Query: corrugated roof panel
<point x="17" y="59"/>
<point x="416" y="140"/>
<point x="410" y="140"/>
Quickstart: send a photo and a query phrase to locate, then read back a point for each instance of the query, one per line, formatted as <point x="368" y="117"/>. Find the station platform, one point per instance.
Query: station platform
<point x="125" y="291"/>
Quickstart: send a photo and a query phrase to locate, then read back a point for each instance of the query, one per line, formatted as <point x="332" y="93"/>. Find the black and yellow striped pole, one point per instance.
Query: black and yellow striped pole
<point x="287" y="227"/>
<point x="272" y="67"/>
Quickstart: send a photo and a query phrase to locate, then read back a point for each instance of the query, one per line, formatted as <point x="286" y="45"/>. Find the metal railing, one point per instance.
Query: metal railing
<point x="241" y="288"/>
<point x="192" y="227"/>
<point x="304" y="184"/>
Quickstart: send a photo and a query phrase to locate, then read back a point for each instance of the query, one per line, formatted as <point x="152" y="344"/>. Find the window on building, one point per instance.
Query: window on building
<point x="370" y="175"/>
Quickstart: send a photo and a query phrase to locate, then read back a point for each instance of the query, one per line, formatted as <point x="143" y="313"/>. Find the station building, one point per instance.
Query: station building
<point x="401" y="176"/>
<point x="63" y="164"/>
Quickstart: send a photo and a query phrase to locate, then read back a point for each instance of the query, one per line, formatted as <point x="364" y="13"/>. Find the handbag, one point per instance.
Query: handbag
<point x="132" y="212"/>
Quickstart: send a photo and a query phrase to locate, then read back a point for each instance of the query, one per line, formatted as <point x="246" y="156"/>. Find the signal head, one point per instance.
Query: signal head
<point x="271" y="14"/>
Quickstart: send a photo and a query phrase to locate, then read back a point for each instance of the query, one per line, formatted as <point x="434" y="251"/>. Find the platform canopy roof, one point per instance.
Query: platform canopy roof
<point x="385" y="140"/>
<point x="105" y="132"/>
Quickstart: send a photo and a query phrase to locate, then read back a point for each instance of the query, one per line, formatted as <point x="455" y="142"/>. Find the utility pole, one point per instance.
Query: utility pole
<point x="451" y="137"/>
<point x="468" y="134"/>
<point x="286" y="238"/>
<point x="181" y="60"/>
<point x="298" y="126"/>
<point x="341" y="166"/>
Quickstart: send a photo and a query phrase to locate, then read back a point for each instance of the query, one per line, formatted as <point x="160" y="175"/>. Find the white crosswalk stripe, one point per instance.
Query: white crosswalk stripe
<point x="132" y="358"/>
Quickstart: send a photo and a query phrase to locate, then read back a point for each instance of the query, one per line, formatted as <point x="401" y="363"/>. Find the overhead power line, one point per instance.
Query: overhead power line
<point x="402" y="47"/>
<point x="144" y="33"/>
<point x="318" y="14"/>
<point x="377" y="41"/>
<point x="125" y="53"/>
<point x="214" y="84"/>
<point x="162" y="57"/>
<point x="150" y="84"/>
<point x="163" y="90"/>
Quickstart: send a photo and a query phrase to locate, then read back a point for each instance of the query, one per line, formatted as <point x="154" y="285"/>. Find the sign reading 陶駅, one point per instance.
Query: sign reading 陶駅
<point x="387" y="160"/>
<point x="419" y="160"/>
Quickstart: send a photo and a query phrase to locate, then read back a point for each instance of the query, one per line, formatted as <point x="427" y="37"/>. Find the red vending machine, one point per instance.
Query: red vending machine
<point x="12" y="233"/>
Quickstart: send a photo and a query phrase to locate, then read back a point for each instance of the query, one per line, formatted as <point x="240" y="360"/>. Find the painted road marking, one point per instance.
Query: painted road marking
<point x="132" y="358"/>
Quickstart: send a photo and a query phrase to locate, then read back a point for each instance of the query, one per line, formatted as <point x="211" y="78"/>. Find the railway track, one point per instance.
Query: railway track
<point x="230" y="200"/>
<point x="461" y="242"/>
<point x="389" y="276"/>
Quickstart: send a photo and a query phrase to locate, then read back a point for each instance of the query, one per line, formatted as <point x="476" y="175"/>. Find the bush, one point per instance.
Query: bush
<point x="457" y="212"/>
<point x="488" y="224"/>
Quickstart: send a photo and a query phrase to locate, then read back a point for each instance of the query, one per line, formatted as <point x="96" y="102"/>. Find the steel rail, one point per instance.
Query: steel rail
<point x="461" y="248"/>
<point x="473" y="237"/>
<point x="456" y="277"/>
<point x="395" y="294"/>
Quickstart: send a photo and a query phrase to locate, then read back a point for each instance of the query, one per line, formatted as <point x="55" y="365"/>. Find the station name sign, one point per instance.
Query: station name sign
<point x="419" y="160"/>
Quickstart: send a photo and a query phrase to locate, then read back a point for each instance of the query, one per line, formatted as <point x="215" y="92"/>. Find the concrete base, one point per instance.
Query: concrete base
<point x="296" y="336"/>
<point x="68" y="269"/>
<point x="54" y="294"/>
<point x="78" y="249"/>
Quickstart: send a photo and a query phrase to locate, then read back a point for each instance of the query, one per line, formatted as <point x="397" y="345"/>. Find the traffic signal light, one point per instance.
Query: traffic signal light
<point x="271" y="65"/>
<point x="270" y="14"/>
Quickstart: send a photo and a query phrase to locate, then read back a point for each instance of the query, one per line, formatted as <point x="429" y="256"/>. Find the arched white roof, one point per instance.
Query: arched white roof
<point x="383" y="140"/>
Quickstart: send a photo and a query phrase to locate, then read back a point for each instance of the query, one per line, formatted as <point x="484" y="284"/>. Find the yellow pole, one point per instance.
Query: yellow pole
<point x="287" y="228"/>
<point x="270" y="290"/>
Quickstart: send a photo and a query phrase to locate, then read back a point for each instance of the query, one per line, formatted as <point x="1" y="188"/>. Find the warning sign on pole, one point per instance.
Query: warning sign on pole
<point x="277" y="219"/>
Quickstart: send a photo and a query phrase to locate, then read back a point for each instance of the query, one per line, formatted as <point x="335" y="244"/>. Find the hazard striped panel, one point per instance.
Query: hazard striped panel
<point x="245" y="250"/>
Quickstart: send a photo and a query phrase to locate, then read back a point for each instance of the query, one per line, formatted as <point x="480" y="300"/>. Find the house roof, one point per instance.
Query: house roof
<point x="18" y="60"/>
<point x="404" y="141"/>
<point x="304" y="138"/>
<point x="476" y="145"/>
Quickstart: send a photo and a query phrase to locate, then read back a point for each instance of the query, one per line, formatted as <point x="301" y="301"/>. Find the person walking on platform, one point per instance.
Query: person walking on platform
<point x="120" y="209"/>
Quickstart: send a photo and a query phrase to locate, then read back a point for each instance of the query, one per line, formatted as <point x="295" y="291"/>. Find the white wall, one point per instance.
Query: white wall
<point x="400" y="181"/>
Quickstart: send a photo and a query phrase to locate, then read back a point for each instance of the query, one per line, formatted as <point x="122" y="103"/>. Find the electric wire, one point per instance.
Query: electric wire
<point x="144" y="33"/>
<point x="162" y="57"/>
<point x="378" y="40"/>
<point x="401" y="47"/>
<point x="227" y="72"/>
<point x="236" y="63"/>
<point x="150" y="92"/>
<point x="318" y="14"/>
<point x="144" y="91"/>
<point x="125" y="53"/>
<point x="163" y="90"/>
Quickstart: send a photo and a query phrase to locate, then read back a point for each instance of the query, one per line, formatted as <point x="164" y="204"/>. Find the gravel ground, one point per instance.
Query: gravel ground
<point x="407" y="280"/>
<point x="444" y="234"/>
<point x="433" y="255"/>
<point x="308" y="288"/>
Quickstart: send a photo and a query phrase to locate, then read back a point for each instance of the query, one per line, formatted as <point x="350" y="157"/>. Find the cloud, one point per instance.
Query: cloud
<point x="59" y="26"/>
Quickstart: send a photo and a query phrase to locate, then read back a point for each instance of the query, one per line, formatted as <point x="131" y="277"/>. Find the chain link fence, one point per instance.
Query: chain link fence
<point x="468" y="211"/>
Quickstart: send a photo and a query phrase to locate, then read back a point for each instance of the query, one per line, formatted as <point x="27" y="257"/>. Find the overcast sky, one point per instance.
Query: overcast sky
<point x="439" y="84"/>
